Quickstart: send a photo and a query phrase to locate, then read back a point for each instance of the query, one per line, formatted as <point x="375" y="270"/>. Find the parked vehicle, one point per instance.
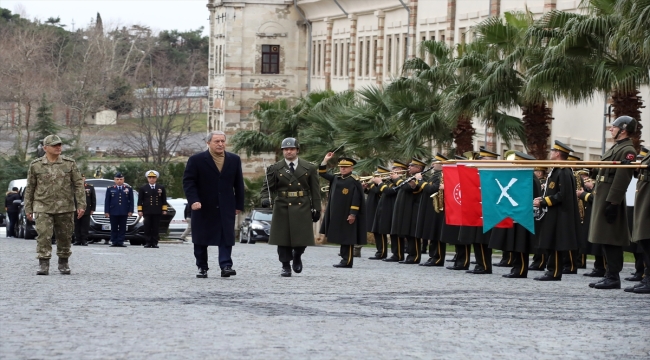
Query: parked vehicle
<point x="178" y="223"/>
<point x="256" y="227"/>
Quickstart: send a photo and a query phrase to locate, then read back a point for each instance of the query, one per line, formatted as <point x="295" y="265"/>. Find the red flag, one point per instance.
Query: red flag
<point x="470" y="184"/>
<point x="453" y="210"/>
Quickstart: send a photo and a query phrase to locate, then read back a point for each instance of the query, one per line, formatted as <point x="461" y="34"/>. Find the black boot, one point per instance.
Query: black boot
<point x="548" y="277"/>
<point x="286" y="271"/>
<point x="595" y="273"/>
<point x="611" y="281"/>
<point x="203" y="273"/>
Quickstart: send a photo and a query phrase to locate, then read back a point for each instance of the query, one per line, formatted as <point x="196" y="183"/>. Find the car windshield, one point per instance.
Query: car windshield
<point x="263" y="216"/>
<point x="100" y="193"/>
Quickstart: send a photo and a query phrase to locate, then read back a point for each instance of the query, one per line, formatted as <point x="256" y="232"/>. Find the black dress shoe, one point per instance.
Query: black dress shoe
<point x="568" y="271"/>
<point x="595" y="273"/>
<point x="473" y="262"/>
<point x="608" y="283"/>
<point x="117" y="245"/>
<point x="457" y="268"/>
<point x="409" y="262"/>
<point x="203" y="273"/>
<point x="228" y="272"/>
<point x="154" y="246"/>
<point x="536" y="267"/>
<point x="515" y="276"/>
<point x="376" y="258"/>
<point x="76" y="243"/>
<point x="501" y="264"/>
<point x="146" y="246"/>
<point x="643" y="289"/>
<point x="286" y="272"/>
<point x="430" y="262"/>
<point x="593" y="284"/>
<point x="297" y="264"/>
<point x="636" y="277"/>
<point x="391" y="259"/>
<point x="84" y="244"/>
<point x="548" y="277"/>
<point x="478" y="271"/>
<point x="343" y="265"/>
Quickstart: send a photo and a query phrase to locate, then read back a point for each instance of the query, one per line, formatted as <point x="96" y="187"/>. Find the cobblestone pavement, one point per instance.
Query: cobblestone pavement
<point x="130" y="303"/>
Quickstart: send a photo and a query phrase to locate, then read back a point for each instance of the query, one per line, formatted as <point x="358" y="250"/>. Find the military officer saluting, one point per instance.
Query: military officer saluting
<point x="344" y="219"/>
<point x="152" y="205"/>
<point x="81" y="225"/>
<point x="609" y="214"/>
<point x="118" y="206"/>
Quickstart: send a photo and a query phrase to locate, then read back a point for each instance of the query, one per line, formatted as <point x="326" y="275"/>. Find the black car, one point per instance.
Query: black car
<point x="100" y="226"/>
<point x="256" y="227"/>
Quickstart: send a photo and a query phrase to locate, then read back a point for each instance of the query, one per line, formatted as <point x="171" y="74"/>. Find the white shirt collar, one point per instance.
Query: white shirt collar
<point x="295" y="163"/>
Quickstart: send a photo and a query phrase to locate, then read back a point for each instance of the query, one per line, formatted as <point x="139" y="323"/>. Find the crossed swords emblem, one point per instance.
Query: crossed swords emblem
<point x="504" y="192"/>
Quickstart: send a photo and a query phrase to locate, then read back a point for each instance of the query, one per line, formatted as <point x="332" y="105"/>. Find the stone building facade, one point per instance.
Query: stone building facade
<point x="350" y="44"/>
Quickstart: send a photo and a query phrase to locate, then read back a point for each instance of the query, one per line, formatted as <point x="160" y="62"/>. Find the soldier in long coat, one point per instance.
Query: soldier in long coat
<point x="292" y="184"/>
<point x="405" y="213"/>
<point x="517" y="240"/>
<point x="384" y="214"/>
<point x="152" y="205"/>
<point x="641" y="232"/>
<point x="344" y="220"/>
<point x="373" y="197"/>
<point x="609" y="215"/>
<point x="430" y="222"/>
<point x="587" y="197"/>
<point x="559" y="227"/>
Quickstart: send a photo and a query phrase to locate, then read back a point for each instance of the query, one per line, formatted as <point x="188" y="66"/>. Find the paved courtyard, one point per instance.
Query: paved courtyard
<point x="131" y="303"/>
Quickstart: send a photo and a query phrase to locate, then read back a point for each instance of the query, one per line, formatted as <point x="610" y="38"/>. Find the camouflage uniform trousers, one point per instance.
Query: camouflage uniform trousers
<point x="63" y="226"/>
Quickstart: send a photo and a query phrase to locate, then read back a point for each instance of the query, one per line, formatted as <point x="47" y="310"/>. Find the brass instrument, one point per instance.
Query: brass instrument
<point x="581" y="203"/>
<point x="439" y="197"/>
<point x="325" y="188"/>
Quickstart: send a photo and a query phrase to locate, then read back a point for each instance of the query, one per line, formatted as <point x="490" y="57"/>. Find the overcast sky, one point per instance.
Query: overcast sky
<point x="158" y="14"/>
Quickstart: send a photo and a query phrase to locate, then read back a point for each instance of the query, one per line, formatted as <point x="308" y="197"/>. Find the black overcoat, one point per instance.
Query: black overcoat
<point x="345" y="198"/>
<point x="559" y="226"/>
<point x="642" y="204"/>
<point x="220" y="194"/>
<point x="429" y="223"/>
<point x="405" y="212"/>
<point x="384" y="213"/>
<point x="372" y="200"/>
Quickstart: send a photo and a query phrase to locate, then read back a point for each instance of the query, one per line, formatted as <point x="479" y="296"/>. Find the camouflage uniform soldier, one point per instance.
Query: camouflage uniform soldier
<point x="49" y="199"/>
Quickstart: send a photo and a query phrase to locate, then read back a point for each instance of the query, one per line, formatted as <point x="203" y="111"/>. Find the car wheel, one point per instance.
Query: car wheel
<point x="241" y="237"/>
<point x="21" y="232"/>
<point x="249" y="239"/>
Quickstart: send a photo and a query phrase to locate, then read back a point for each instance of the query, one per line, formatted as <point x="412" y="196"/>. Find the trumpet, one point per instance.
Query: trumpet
<point x="325" y="188"/>
<point x="368" y="179"/>
<point x="439" y="198"/>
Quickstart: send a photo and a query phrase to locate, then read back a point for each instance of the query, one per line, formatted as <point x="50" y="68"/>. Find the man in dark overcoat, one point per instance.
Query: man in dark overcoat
<point x="152" y="205"/>
<point x="214" y="186"/>
<point x="405" y="213"/>
<point x="558" y="231"/>
<point x="373" y="196"/>
<point x="292" y="184"/>
<point x="641" y="231"/>
<point x="344" y="218"/>
<point x="609" y="225"/>
<point x="429" y="224"/>
<point x="82" y="224"/>
<point x="517" y="240"/>
<point x="384" y="213"/>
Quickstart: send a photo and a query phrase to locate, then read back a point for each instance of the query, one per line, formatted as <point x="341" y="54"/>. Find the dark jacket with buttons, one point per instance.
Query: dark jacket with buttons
<point x="152" y="201"/>
<point x="119" y="201"/>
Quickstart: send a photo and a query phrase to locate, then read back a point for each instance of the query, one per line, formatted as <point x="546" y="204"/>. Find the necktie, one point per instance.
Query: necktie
<point x="291" y="168"/>
<point x="153" y="187"/>
<point x="119" y="188"/>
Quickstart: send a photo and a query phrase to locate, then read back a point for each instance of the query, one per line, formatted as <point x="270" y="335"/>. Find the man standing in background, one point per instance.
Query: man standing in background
<point x="12" y="211"/>
<point x="118" y="206"/>
<point x="152" y="205"/>
<point x="82" y="225"/>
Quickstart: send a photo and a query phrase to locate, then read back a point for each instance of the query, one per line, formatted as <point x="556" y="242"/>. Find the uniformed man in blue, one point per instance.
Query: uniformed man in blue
<point x="152" y="205"/>
<point x="118" y="206"/>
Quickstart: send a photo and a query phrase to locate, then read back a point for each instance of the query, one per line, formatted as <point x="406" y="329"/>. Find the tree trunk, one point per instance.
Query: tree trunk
<point x="536" y="118"/>
<point x="629" y="104"/>
<point x="28" y="113"/>
<point x="464" y="134"/>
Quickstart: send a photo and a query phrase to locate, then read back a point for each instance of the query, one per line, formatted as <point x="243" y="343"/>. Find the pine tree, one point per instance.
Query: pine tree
<point x="45" y="125"/>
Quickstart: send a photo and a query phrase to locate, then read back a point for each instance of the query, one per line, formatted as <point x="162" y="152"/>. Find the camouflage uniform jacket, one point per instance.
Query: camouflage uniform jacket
<point x="50" y="186"/>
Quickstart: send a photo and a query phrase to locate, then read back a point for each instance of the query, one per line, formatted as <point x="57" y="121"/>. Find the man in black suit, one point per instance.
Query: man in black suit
<point x="214" y="186"/>
<point x="82" y="224"/>
<point x="12" y="210"/>
<point x="152" y="205"/>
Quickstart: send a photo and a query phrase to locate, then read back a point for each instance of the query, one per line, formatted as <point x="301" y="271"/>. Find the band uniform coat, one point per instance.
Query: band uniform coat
<point x="429" y="222"/>
<point x="294" y="195"/>
<point x="345" y="198"/>
<point x="611" y="186"/>
<point x="384" y="212"/>
<point x="373" y="195"/>
<point x="559" y="226"/>
<point x="220" y="194"/>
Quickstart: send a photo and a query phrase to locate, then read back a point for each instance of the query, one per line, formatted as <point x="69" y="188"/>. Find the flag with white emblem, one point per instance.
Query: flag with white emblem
<point x="507" y="194"/>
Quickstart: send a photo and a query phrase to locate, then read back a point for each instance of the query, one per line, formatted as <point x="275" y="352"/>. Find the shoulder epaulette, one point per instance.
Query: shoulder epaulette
<point x="36" y="160"/>
<point x="67" y="158"/>
<point x="355" y="177"/>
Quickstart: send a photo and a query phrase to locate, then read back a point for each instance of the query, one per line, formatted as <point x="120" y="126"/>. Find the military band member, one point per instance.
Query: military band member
<point x="573" y="261"/>
<point x="587" y="197"/>
<point x="641" y="232"/>
<point x="293" y="183"/>
<point x="152" y="205"/>
<point x="118" y="206"/>
<point x="609" y="215"/>
<point x="405" y="212"/>
<point x="475" y="234"/>
<point x="450" y="234"/>
<point x="429" y="221"/>
<point x="559" y="227"/>
<point x="344" y="218"/>
<point x="384" y="216"/>
<point x="373" y="191"/>
<point x="82" y="224"/>
<point x="540" y="257"/>
<point x="517" y="241"/>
